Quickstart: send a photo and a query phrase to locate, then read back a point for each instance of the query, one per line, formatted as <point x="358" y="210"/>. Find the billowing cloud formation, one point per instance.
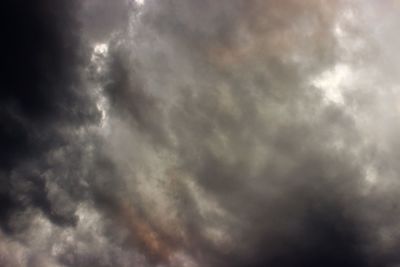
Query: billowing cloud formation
<point x="200" y="133"/>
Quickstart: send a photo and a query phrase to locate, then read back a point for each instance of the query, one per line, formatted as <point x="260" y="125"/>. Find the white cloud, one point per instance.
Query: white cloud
<point x="332" y="83"/>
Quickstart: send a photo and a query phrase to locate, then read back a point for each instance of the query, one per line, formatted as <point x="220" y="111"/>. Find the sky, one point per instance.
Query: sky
<point x="188" y="133"/>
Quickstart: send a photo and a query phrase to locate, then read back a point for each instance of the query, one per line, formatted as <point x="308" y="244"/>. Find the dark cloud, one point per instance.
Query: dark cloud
<point x="41" y="97"/>
<point x="102" y="18"/>
<point x="199" y="133"/>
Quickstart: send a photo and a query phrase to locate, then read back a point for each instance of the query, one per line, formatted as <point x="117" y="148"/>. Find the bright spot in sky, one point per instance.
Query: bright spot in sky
<point x="371" y="175"/>
<point x="98" y="61"/>
<point x="100" y="48"/>
<point x="140" y="2"/>
<point x="332" y="81"/>
<point x="99" y="53"/>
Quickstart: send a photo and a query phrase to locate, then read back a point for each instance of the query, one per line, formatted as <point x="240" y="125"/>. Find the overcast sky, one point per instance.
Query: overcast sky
<point x="200" y="133"/>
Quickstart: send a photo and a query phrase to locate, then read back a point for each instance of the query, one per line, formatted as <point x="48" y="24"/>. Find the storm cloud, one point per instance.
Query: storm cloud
<point x="200" y="133"/>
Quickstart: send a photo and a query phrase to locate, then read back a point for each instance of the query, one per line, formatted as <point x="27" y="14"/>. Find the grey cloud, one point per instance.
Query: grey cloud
<point x="203" y="133"/>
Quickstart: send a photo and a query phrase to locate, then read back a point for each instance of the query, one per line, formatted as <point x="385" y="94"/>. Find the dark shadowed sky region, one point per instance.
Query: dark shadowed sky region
<point x="200" y="133"/>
